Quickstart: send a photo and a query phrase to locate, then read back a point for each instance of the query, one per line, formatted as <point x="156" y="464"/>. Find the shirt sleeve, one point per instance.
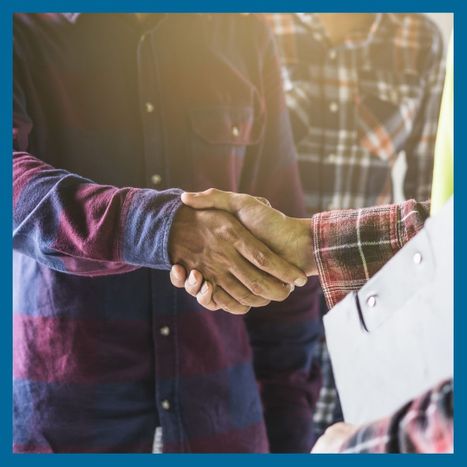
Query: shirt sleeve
<point x="350" y="246"/>
<point x="424" y="425"/>
<point x="283" y="335"/>
<point x="73" y="225"/>
<point x="420" y="147"/>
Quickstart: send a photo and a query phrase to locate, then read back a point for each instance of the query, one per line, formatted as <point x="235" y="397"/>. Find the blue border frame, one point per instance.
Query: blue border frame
<point x="7" y="7"/>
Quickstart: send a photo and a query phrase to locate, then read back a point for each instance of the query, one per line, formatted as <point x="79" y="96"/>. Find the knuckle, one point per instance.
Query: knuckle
<point x="261" y="258"/>
<point x="227" y="232"/>
<point x="219" y="298"/>
<point x="264" y="201"/>
<point x="256" y="287"/>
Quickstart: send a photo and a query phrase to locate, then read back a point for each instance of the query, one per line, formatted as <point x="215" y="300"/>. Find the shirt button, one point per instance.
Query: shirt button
<point x="156" y="179"/>
<point x="332" y="54"/>
<point x="165" y="331"/>
<point x="333" y="107"/>
<point x="149" y="107"/>
<point x="235" y="131"/>
<point x="165" y="404"/>
<point x="417" y="258"/>
<point x="371" y="301"/>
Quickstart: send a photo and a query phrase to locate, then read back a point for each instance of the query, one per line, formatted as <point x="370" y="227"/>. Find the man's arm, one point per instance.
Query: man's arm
<point x="424" y="425"/>
<point x="345" y="248"/>
<point x="71" y="224"/>
<point x="351" y="246"/>
<point x="74" y="225"/>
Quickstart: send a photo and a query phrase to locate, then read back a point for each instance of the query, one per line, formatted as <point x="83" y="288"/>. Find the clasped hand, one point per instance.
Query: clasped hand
<point x="237" y="251"/>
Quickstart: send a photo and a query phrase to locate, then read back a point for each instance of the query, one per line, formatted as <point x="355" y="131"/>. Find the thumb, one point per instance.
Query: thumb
<point x="209" y="199"/>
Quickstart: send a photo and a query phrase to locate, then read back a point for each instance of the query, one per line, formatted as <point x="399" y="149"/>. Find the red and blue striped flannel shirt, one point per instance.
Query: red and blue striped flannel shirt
<point x="111" y="120"/>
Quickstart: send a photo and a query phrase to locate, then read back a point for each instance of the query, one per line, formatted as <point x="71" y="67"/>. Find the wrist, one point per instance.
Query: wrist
<point x="304" y="245"/>
<point x="182" y="221"/>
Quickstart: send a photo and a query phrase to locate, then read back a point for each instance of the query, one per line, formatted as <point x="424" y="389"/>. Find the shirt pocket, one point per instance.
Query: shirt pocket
<point x="386" y="107"/>
<point x="220" y="138"/>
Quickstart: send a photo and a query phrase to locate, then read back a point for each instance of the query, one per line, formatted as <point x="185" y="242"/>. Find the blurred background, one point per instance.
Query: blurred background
<point x="445" y="23"/>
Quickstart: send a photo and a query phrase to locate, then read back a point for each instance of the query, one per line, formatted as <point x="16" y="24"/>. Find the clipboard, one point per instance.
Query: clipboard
<point x="393" y="339"/>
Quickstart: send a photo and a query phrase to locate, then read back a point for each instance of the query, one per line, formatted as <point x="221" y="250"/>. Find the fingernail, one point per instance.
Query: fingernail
<point x="191" y="279"/>
<point x="300" y="282"/>
<point x="204" y="289"/>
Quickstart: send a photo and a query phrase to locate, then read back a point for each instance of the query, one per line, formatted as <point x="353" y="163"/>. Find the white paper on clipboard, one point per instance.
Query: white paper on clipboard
<point x="389" y="353"/>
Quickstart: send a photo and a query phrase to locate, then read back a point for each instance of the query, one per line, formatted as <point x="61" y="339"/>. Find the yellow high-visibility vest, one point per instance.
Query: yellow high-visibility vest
<point x="443" y="174"/>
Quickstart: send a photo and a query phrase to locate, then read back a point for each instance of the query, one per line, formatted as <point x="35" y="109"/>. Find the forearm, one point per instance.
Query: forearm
<point x="350" y="246"/>
<point x="74" y="225"/>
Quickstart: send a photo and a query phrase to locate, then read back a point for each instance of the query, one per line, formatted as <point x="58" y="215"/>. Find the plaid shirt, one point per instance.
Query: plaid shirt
<point x="350" y="247"/>
<point x="110" y="117"/>
<point x="354" y="107"/>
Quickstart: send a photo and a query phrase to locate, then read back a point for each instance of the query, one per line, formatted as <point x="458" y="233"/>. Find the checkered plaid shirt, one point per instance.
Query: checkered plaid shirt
<point x="354" y="107"/>
<point x="350" y="247"/>
<point x="424" y="425"/>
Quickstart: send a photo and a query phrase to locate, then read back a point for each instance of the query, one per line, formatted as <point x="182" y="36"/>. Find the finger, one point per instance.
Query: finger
<point x="227" y="303"/>
<point x="209" y="199"/>
<point x="240" y="293"/>
<point x="258" y="282"/>
<point x="194" y="282"/>
<point x="204" y="297"/>
<point x="258" y="254"/>
<point x="178" y="276"/>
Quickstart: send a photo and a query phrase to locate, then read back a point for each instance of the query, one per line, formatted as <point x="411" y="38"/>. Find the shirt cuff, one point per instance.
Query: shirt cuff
<point x="147" y="220"/>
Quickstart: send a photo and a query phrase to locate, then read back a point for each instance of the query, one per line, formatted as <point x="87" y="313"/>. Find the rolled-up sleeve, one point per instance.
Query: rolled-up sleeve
<point x="350" y="246"/>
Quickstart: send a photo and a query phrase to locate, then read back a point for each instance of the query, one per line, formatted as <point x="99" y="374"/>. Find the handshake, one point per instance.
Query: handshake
<point x="234" y="251"/>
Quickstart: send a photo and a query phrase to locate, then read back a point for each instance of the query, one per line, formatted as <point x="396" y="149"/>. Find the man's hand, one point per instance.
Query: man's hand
<point x="288" y="237"/>
<point x="333" y="438"/>
<point x="243" y="270"/>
